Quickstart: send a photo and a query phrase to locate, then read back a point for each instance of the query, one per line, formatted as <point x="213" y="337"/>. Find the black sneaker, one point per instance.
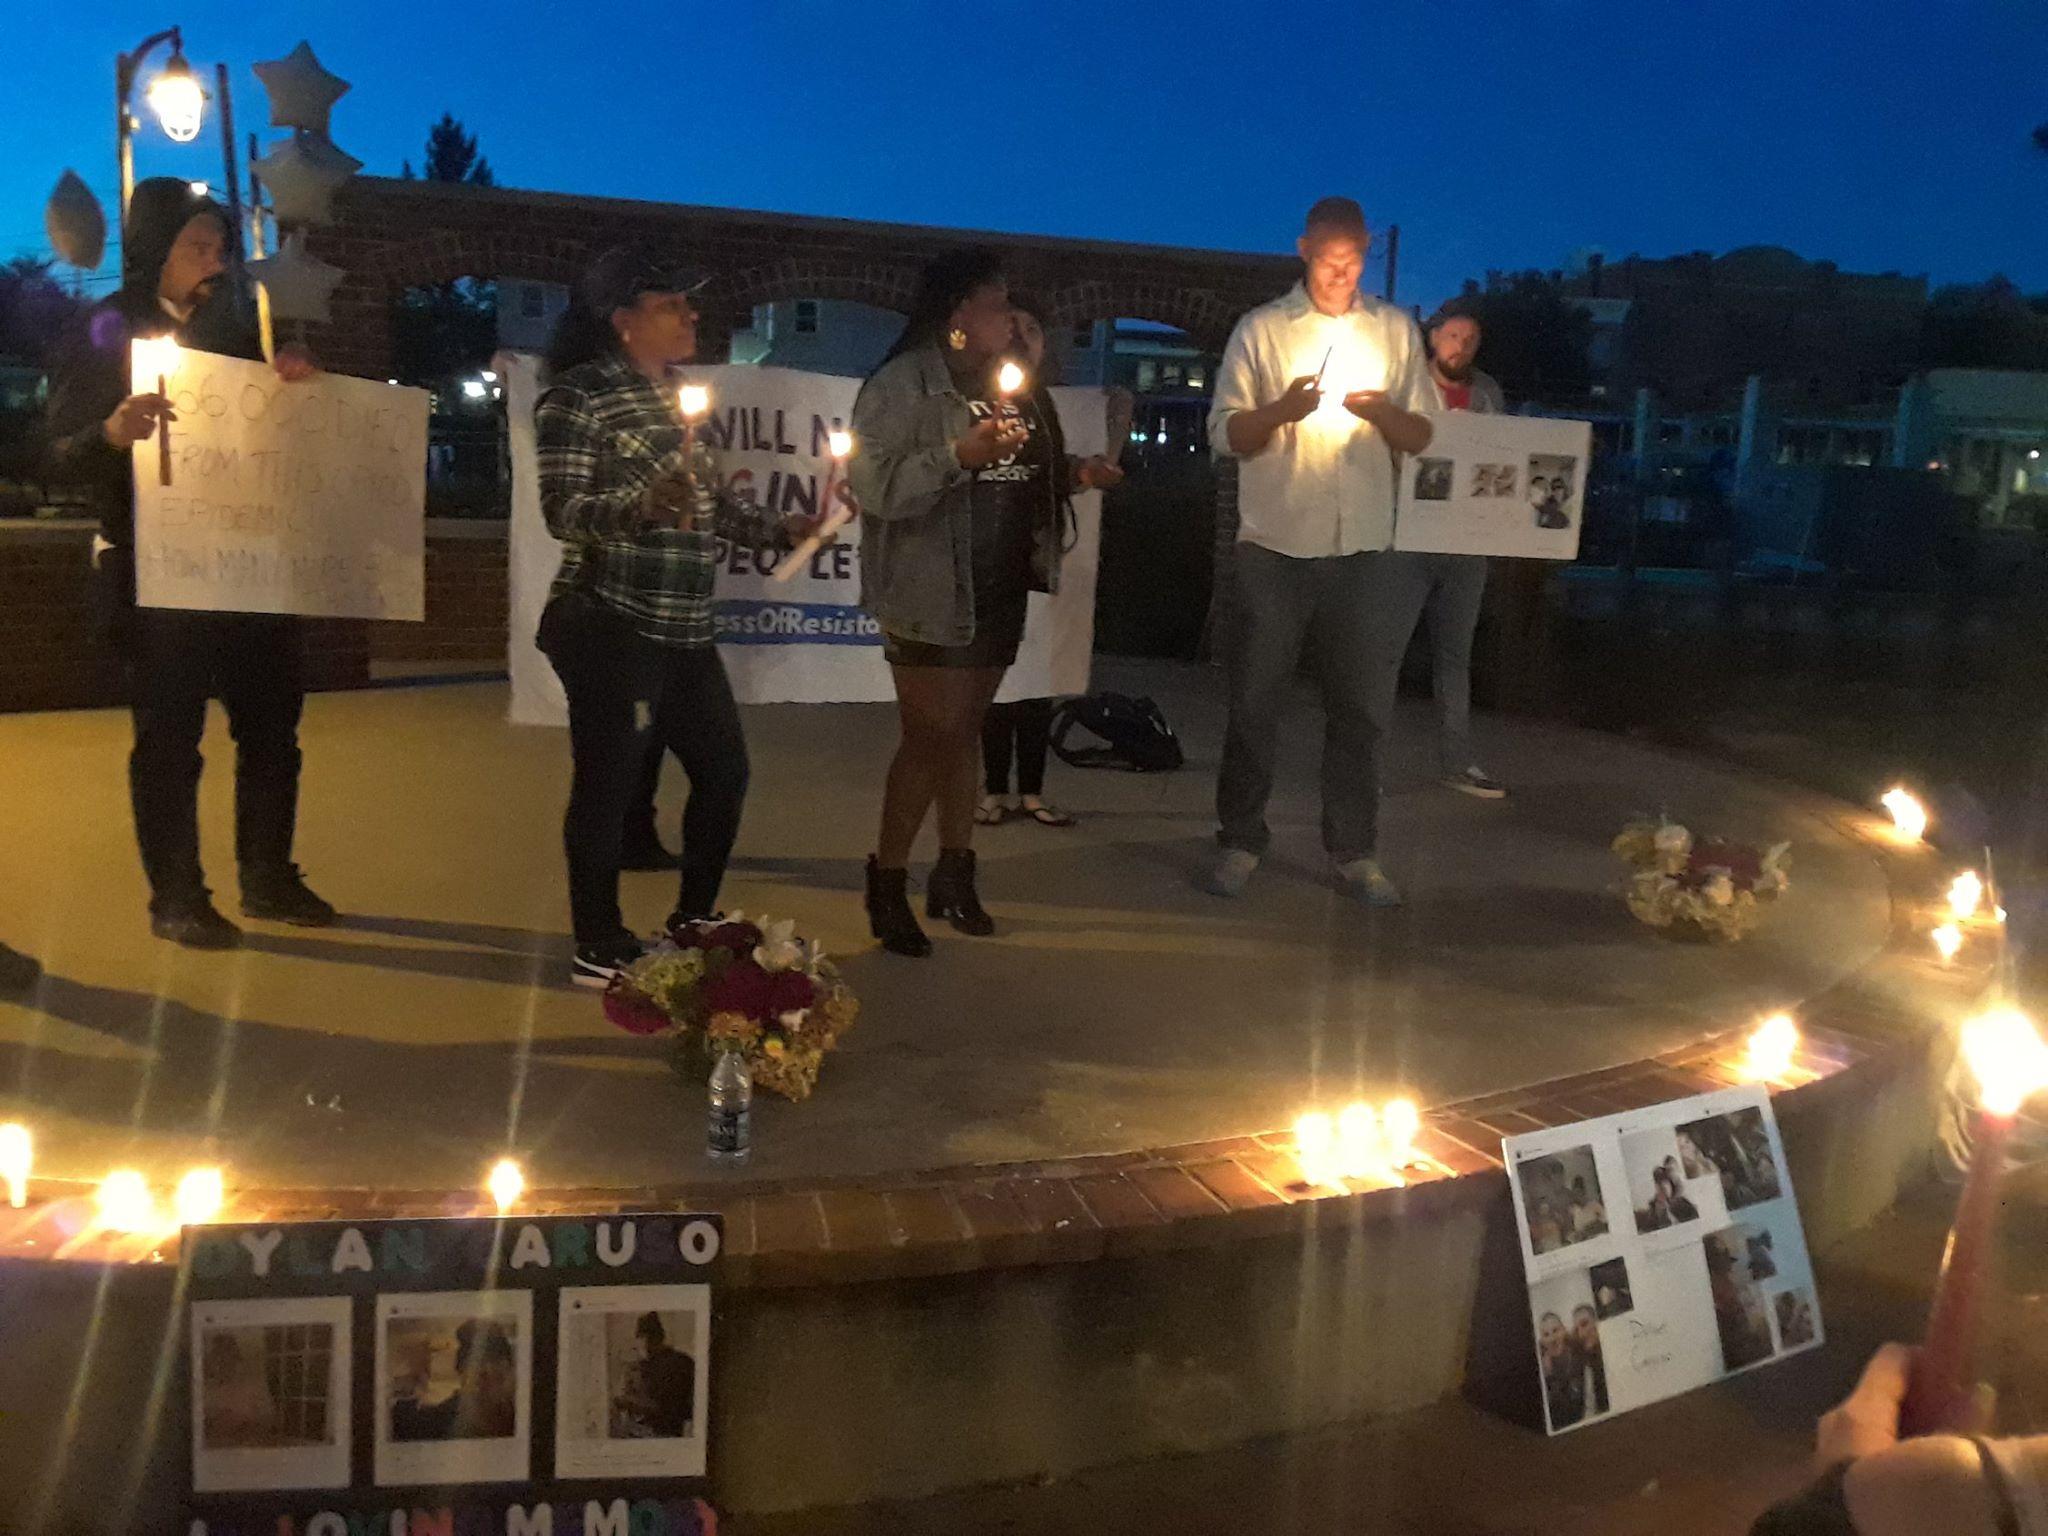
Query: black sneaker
<point x="18" y="972"/>
<point x="284" y="897"/>
<point x="195" y="925"/>
<point x="596" y="964"/>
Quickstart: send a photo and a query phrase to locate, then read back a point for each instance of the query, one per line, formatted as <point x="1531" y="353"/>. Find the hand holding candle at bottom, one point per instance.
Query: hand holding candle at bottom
<point x="2006" y="1056"/>
<point x="838" y="512"/>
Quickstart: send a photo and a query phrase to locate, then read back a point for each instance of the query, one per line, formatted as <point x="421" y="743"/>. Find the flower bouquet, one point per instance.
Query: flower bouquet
<point x="727" y="980"/>
<point x="1704" y="888"/>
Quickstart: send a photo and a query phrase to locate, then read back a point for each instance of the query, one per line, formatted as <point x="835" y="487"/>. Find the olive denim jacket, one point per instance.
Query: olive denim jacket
<point x="916" y="507"/>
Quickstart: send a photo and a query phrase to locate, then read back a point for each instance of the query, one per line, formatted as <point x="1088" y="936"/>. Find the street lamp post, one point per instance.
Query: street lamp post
<point x="176" y="97"/>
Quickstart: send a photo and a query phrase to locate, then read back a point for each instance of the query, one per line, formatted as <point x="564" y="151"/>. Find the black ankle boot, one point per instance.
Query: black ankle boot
<point x="950" y="893"/>
<point x="889" y="915"/>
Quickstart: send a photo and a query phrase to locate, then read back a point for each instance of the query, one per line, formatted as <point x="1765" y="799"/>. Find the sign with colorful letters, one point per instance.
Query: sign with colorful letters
<point x="517" y="1376"/>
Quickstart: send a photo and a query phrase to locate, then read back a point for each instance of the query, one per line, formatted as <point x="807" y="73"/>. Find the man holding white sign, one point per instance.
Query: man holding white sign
<point x="1449" y="587"/>
<point x="174" y="284"/>
<point x="1317" y="392"/>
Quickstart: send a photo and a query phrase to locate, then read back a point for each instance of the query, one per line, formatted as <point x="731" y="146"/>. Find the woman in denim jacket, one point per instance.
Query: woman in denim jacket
<point x="961" y="487"/>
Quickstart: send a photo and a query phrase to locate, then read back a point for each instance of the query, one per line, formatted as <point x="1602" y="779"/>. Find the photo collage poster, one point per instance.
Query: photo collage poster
<point x="1496" y="485"/>
<point x="477" y="1367"/>
<point x="1663" y="1250"/>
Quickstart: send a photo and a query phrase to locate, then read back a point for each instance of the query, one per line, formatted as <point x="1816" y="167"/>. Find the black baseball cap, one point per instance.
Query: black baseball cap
<point x="621" y="274"/>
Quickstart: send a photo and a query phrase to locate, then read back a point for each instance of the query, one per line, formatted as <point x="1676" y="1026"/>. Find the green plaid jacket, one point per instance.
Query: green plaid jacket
<point x="604" y="432"/>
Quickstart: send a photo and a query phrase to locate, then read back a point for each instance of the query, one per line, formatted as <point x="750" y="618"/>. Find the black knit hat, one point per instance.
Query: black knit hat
<point x="158" y="210"/>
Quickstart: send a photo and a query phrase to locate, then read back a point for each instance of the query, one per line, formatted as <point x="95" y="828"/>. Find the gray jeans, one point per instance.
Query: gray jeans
<point x="1449" y="588"/>
<point x="1283" y="607"/>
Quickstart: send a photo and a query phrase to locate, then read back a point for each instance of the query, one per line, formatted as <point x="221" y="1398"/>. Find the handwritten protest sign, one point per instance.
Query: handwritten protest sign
<point x="305" y="498"/>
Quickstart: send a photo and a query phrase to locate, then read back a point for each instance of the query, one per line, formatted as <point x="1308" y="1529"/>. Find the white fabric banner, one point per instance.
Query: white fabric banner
<point x="280" y="498"/>
<point x="1496" y="485"/>
<point x="806" y="640"/>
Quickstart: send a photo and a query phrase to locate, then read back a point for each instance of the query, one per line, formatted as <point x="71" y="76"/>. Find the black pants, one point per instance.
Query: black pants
<point x="252" y="663"/>
<point x="1025" y="724"/>
<point x="622" y="689"/>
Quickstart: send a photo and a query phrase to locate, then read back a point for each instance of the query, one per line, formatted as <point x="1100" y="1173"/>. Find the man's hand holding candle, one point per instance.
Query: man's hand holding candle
<point x="135" y="419"/>
<point x="1251" y="430"/>
<point x="990" y="441"/>
<point x="1404" y="431"/>
<point x="1096" y="473"/>
<point x="294" y="364"/>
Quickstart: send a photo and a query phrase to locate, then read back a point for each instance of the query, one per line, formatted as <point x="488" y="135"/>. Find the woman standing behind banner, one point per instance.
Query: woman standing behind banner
<point x="639" y="507"/>
<point x="960" y="488"/>
<point x="1023" y="727"/>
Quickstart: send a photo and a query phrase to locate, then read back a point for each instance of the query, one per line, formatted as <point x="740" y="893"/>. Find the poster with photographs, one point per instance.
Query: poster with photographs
<point x="270" y="1394"/>
<point x="1496" y="485"/>
<point x="476" y="1372"/>
<point x="1663" y="1251"/>
<point x="631" y="1381"/>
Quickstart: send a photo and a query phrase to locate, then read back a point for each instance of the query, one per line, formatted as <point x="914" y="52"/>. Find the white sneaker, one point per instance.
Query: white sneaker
<point x="1231" y="872"/>
<point x="1364" y="880"/>
<point x="1478" y="783"/>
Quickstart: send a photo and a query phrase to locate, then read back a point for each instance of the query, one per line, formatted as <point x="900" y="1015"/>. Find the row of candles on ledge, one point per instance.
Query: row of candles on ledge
<point x="1972" y="901"/>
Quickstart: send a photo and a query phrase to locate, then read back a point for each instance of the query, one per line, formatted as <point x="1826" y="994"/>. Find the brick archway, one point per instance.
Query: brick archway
<point x="389" y="235"/>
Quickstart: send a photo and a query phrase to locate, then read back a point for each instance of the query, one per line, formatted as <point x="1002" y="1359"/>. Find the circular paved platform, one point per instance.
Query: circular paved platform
<point x="1118" y="1009"/>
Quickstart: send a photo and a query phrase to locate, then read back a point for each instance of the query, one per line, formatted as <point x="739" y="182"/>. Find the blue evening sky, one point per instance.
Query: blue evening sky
<point x="1497" y="133"/>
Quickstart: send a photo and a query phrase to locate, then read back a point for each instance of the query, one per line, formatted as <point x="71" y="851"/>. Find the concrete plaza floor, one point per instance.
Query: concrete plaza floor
<point x="1117" y="1007"/>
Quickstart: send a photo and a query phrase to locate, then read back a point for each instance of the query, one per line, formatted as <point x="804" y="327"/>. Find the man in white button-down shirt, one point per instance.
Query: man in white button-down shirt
<point x="1317" y="392"/>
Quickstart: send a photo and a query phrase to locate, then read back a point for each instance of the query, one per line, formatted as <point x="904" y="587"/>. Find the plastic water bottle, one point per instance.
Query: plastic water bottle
<point x="732" y="1100"/>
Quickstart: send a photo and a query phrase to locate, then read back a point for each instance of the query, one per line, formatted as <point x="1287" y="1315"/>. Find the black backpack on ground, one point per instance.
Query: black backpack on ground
<point x="1137" y="737"/>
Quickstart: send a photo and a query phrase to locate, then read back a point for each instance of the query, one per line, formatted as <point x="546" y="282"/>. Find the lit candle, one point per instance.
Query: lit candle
<point x="1400" y="1123"/>
<point x="1909" y="816"/>
<point x="1948" y="939"/>
<point x="1315" y="1149"/>
<point x="125" y="1203"/>
<point x="160" y="355"/>
<point x="694" y="401"/>
<point x="2010" y="1063"/>
<point x="839" y="443"/>
<point x="199" y="1197"/>
<point x="1966" y="894"/>
<point x="1009" y="379"/>
<point x="1358" y="1141"/>
<point x="17" y="1156"/>
<point x="506" y="1184"/>
<point x="1771" y="1048"/>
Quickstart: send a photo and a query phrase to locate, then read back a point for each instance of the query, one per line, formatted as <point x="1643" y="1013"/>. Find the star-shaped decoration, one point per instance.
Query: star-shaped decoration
<point x="76" y="226"/>
<point x="301" y="92"/>
<point x="299" y="283"/>
<point x="302" y="173"/>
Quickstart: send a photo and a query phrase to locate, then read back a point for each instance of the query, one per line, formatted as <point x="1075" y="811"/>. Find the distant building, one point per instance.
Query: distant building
<point x="1695" y="328"/>
<point x="817" y="335"/>
<point x="1986" y="432"/>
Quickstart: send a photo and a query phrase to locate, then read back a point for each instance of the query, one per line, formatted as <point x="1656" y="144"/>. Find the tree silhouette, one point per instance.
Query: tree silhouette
<point x="451" y="155"/>
<point x="2041" y="138"/>
<point x="447" y="330"/>
<point x="1536" y="339"/>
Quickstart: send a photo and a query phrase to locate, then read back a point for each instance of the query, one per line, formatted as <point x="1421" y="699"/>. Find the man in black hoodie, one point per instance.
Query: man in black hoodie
<point x="174" y="281"/>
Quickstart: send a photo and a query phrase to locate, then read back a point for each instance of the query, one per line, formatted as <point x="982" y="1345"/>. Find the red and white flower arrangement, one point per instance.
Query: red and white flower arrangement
<point x="1701" y="888"/>
<point x="730" y="980"/>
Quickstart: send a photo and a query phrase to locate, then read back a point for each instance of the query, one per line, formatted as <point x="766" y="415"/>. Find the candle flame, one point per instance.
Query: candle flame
<point x="839" y="442"/>
<point x="1909" y="816"/>
<point x="125" y="1203"/>
<point x="506" y="1184"/>
<point x="1315" y="1148"/>
<point x="17" y="1156"/>
<point x="694" y="400"/>
<point x="1948" y="939"/>
<point x="199" y="1198"/>
<point x="1401" y="1123"/>
<point x="2005" y="1051"/>
<point x="1771" y="1048"/>
<point x="1358" y="1140"/>
<point x="1009" y="378"/>
<point x="160" y="355"/>
<point x="1966" y="894"/>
